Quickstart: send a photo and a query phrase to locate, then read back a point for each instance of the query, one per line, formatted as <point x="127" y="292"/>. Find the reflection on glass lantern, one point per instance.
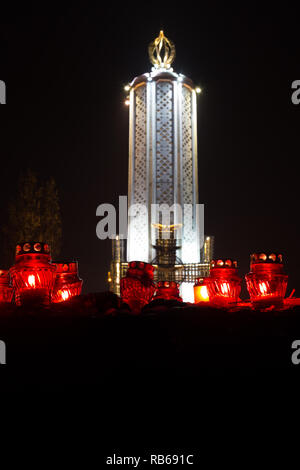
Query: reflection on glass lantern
<point x="201" y="290"/>
<point x="168" y="290"/>
<point x="224" y="284"/>
<point x="266" y="282"/>
<point x="67" y="282"/>
<point x="32" y="274"/>
<point x="6" y="291"/>
<point x="137" y="287"/>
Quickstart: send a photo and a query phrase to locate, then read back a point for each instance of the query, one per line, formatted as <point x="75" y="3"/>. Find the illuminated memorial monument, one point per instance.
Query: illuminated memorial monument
<point x="163" y="172"/>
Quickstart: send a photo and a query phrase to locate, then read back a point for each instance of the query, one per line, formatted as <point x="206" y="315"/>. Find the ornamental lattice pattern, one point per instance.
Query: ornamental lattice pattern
<point x="140" y="164"/>
<point x="187" y="163"/>
<point x="139" y="231"/>
<point x="164" y="143"/>
<point x="187" y="146"/>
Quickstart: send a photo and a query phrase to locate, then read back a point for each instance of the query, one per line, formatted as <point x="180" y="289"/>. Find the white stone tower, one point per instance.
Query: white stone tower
<point x="163" y="154"/>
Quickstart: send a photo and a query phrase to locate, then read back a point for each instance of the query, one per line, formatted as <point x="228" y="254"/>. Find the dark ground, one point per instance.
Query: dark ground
<point x="174" y="380"/>
<point x="94" y="340"/>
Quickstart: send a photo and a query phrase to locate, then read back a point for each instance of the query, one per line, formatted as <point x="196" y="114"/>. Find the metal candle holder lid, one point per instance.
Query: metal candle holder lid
<point x="168" y="285"/>
<point x="26" y="248"/>
<point x="266" y="261"/>
<point x="223" y="263"/>
<point x="141" y="269"/>
<point x="265" y="257"/>
<point x="66" y="267"/>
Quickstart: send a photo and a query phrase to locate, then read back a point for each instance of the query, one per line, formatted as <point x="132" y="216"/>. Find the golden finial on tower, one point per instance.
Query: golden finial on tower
<point x="161" y="45"/>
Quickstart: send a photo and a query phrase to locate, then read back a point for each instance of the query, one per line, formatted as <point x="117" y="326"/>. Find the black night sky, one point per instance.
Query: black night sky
<point x="65" y="69"/>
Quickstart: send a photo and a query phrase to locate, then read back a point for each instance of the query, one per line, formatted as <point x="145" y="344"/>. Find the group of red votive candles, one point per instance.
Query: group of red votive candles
<point x="266" y="283"/>
<point x="35" y="279"/>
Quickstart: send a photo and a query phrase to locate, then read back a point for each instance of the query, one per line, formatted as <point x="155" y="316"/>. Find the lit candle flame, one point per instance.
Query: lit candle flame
<point x="65" y="294"/>
<point x="204" y="294"/>
<point x="201" y="294"/>
<point x="31" y="280"/>
<point x="263" y="288"/>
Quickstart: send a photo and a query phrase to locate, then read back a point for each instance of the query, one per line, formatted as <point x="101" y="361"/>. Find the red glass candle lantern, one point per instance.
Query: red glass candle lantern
<point x="201" y="290"/>
<point x="168" y="290"/>
<point x="224" y="284"/>
<point x="67" y="282"/>
<point x="266" y="282"/>
<point x="33" y="274"/>
<point x="6" y="291"/>
<point x="137" y="287"/>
